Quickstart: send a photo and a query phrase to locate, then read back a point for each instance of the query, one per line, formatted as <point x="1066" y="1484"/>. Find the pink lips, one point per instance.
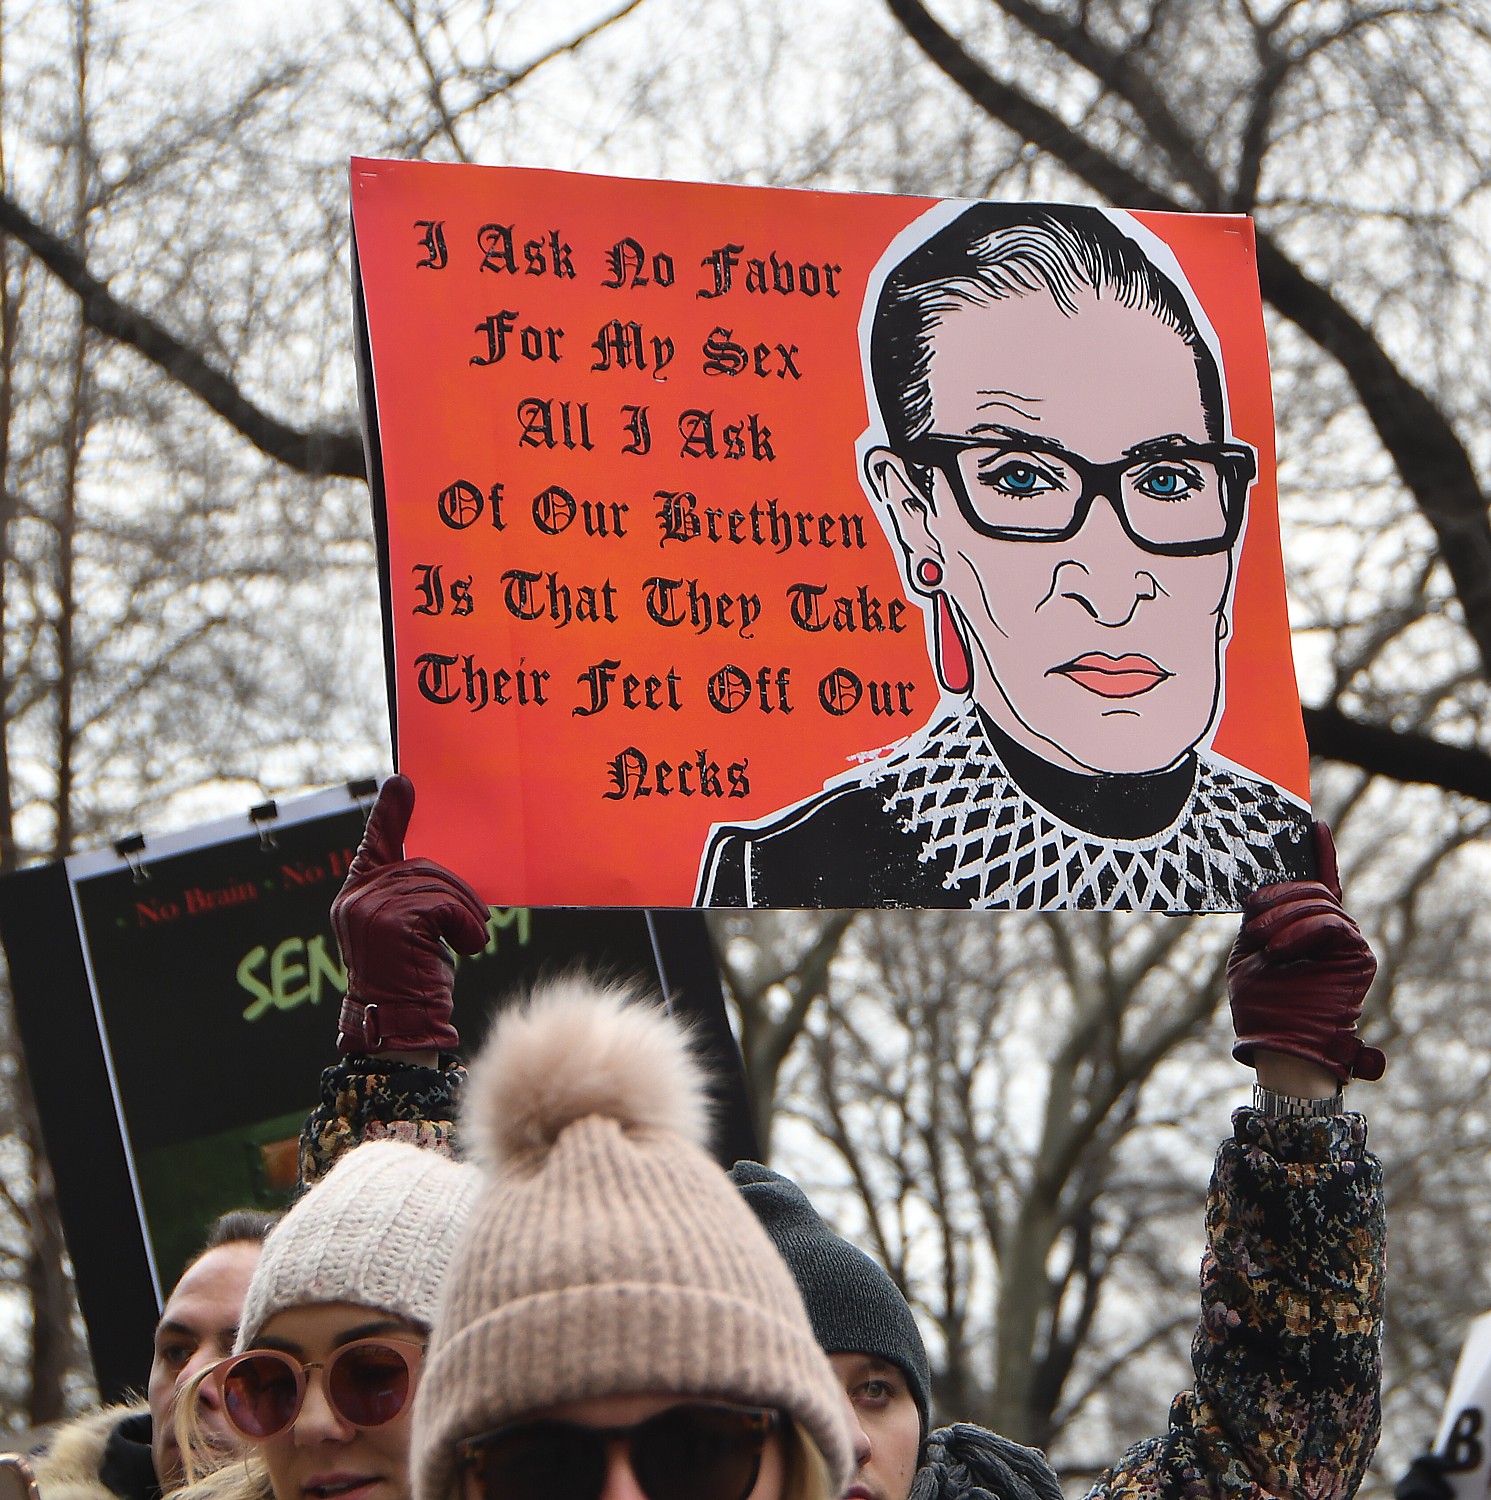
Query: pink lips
<point x="329" y="1486"/>
<point x="1114" y="676"/>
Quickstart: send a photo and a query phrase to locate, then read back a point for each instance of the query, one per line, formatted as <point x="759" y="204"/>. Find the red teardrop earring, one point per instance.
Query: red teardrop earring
<point x="954" y="669"/>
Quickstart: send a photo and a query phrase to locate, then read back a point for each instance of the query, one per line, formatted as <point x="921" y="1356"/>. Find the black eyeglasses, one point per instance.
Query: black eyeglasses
<point x="700" y="1450"/>
<point x="1174" y="497"/>
<point x="368" y="1382"/>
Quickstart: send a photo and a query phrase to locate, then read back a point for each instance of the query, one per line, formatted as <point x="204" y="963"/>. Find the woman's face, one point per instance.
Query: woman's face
<point x="627" y="1411"/>
<point x="1093" y="652"/>
<point x="322" y="1456"/>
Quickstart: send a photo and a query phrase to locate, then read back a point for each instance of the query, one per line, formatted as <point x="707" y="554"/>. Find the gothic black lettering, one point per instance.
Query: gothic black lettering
<point x="624" y="346"/>
<point x="770" y="275"/>
<point x="639" y="432"/>
<point x="750" y="438"/>
<point x="680" y="601"/>
<point x="460" y="504"/>
<point x="723" y="356"/>
<point x="651" y="692"/>
<point x="433" y="243"/>
<point x="533" y="344"/>
<point x="439" y="682"/>
<point x="840" y="691"/>
<point x="553" y="424"/>
<point x="495" y="241"/>
<point x="536" y="596"/>
<point x="682" y="517"/>
<point x="629" y="265"/>
<point x="860" y="611"/>
<point x="732" y="688"/>
<point x="631" y="775"/>
<point x="430" y="588"/>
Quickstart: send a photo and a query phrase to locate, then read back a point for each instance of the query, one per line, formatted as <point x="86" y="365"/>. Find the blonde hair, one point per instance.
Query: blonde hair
<point x="244" y="1477"/>
<point x="212" y="1471"/>
<point x="808" y="1475"/>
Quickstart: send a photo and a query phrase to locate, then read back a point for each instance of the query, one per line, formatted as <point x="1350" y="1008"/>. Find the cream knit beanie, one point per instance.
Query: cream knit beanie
<point x="378" y="1231"/>
<point x="607" y="1253"/>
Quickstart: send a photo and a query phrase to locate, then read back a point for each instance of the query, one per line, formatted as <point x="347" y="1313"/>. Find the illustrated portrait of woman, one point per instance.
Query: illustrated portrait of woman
<point x="1052" y="458"/>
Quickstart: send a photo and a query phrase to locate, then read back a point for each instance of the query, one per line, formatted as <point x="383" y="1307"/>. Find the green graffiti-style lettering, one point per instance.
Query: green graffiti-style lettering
<point x="263" y="998"/>
<point x="299" y="970"/>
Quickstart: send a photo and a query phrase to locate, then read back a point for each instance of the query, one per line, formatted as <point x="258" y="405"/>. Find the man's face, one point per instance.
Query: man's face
<point x="890" y="1431"/>
<point x="1092" y="652"/>
<point x="196" y="1329"/>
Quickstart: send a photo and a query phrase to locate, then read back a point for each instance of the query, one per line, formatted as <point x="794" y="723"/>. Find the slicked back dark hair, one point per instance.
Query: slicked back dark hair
<point x="239" y="1226"/>
<point x="996" y="250"/>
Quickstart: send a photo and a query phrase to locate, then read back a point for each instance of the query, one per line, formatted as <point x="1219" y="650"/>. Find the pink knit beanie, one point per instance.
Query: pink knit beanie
<point x="607" y="1254"/>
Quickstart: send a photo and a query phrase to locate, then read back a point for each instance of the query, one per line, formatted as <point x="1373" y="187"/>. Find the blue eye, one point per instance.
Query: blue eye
<point x="1166" y="482"/>
<point x="1019" y="478"/>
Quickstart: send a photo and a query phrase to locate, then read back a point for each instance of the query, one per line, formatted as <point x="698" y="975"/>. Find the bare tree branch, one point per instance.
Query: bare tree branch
<point x="768" y="1029"/>
<point x="316" y="452"/>
<point x="489" y="82"/>
<point x="503" y="80"/>
<point x="1402" y="754"/>
<point x="1122" y="76"/>
<point x="1429" y="456"/>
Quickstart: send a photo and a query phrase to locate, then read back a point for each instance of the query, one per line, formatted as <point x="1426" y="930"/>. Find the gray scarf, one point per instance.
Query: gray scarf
<point x="964" y="1462"/>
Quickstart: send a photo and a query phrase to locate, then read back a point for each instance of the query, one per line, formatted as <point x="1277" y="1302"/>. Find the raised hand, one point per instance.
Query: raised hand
<point x="1299" y="971"/>
<point x="393" y="919"/>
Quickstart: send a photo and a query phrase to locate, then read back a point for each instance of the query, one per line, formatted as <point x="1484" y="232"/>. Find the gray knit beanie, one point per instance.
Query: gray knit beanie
<point x="378" y="1231"/>
<point x="607" y="1253"/>
<point x="854" y="1305"/>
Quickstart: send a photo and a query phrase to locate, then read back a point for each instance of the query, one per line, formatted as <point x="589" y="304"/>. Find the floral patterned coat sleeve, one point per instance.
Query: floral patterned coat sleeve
<point x="1288" y="1352"/>
<point x="367" y="1099"/>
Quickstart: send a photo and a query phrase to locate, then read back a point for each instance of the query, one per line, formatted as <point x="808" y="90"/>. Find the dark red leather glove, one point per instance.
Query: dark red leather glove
<point x="392" y="919"/>
<point x="1299" y="971"/>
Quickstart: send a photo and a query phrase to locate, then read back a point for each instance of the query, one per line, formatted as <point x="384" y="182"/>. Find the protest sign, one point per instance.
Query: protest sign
<point x="1462" y="1443"/>
<point x="177" y="1001"/>
<point x="656" y="572"/>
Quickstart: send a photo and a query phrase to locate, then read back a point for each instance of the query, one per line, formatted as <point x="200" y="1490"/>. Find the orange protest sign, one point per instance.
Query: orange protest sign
<point x="697" y="500"/>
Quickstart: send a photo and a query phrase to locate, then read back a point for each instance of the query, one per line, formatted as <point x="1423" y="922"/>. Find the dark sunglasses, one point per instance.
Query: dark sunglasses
<point x="368" y="1382"/>
<point x="701" y="1450"/>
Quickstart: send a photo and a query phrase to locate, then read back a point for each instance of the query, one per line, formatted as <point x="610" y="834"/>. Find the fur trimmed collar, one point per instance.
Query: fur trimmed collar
<point x="69" y="1469"/>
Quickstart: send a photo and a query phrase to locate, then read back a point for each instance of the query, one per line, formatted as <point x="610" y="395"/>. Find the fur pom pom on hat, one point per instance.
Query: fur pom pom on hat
<point x="379" y="1230"/>
<point x="608" y="1254"/>
<point x="578" y="1051"/>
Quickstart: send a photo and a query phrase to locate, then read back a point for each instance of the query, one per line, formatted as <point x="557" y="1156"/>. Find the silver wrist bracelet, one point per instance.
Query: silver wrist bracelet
<point x="1291" y="1106"/>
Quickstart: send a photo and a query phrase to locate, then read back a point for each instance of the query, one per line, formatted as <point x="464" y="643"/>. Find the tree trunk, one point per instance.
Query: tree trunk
<point x="47" y="1282"/>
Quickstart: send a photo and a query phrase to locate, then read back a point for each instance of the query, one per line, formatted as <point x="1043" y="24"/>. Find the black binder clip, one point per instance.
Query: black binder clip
<point x="129" y="849"/>
<point x="262" y="817"/>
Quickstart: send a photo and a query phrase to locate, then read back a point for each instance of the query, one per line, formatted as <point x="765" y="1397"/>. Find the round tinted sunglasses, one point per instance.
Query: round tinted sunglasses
<point x="368" y="1382"/>
<point x="700" y="1450"/>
